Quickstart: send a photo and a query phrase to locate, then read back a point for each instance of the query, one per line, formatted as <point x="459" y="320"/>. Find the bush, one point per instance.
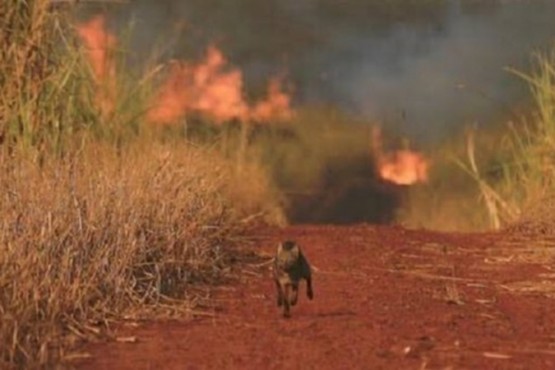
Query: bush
<point x="94" y="235"/>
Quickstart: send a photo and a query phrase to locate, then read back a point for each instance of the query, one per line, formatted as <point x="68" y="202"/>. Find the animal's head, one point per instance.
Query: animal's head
<point x="288" y="245"/>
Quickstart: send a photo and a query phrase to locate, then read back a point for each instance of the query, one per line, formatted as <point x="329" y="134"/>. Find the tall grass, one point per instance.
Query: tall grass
<point x="533" y="143"/>
<point x="98" y="216"/>
<point x="529" y="181"/>
<point x="510" y="170"/>
<point x="43" y="97"/>
<point x="523" y="188"/>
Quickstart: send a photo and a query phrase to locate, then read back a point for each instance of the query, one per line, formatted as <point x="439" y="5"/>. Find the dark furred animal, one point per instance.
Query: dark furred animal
<point x="290" y="267"/>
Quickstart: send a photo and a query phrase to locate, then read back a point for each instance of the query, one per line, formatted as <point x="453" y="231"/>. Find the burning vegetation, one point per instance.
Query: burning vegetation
<point x="402" y="166"/>
<point x="210" y="87"/>
<point x="213" y="88"/>
<point x="100" y="44"/>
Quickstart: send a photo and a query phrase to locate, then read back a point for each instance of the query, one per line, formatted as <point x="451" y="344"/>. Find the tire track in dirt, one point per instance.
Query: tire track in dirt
<point x="385" y="298"/>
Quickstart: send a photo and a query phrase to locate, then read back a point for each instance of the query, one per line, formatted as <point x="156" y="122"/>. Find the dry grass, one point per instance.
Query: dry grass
<point x="529" y="175"/>
<point x="97" y="217"/>
<point x="103" y="231"/>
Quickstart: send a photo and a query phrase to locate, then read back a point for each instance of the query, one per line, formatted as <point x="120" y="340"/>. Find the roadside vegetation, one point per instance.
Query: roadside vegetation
<point x="497" y="177"/>
<point x="100" y="216"/>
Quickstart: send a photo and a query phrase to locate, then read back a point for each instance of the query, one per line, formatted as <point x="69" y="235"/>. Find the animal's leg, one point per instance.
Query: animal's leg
<point x="286" y="312"/>
<point x="295" y="297"/>
<point x="309" y="292"/>
<point x="279" y="289"/>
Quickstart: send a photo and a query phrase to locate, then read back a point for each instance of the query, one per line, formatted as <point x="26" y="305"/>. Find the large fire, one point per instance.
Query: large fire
<point x="206" y="87"/>
<point x="213" y="88"/>
<point x="100" y="44"/>
<point x="401" y="167"/>
<point x="210" y="87"/>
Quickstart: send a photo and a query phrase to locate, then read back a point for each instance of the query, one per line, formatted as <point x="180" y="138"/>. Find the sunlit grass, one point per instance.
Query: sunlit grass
<point x="101" y="214"/>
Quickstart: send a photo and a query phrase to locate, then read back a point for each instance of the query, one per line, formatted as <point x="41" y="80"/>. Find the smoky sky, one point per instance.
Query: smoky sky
<point x="425" y="66"/>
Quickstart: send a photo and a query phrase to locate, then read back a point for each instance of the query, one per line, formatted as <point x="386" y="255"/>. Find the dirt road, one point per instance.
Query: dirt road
<point x="385" y="298"/>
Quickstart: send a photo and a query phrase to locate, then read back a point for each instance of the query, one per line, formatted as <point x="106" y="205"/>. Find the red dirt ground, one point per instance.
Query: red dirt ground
<point x="385" y="298"/>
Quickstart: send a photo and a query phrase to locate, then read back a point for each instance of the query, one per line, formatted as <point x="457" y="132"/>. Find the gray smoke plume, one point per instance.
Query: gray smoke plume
<point x="427" y="66"/>
<point x="452" y="77"/>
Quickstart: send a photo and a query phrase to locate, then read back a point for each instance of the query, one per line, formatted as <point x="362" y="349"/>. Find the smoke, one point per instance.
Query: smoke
<point x="426" y="66"/>
<point x="457" y="75"/>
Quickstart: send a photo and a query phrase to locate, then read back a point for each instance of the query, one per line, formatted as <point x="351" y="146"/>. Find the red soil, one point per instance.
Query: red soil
<point x="385" y="298"/>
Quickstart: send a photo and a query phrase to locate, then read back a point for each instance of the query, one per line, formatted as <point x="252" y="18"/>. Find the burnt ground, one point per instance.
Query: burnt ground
<point x="385" y="298"/>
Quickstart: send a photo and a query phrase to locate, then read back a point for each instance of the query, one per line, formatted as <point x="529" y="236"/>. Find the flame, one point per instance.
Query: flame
<point x="277" y="104"/>
<point x="173" y="98"/>
<point x="213" y="88"/>
<point x="217" y="91"/>
<point x="401" y="167"/>
<point x="99" y="43"/>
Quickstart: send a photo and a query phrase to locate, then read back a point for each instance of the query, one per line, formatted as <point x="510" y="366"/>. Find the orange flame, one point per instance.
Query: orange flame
<point x="210" y="87"/>
<point x="277" y="104"/>
<point x="216" y="90"/>
<point x="401" y="167"/>
<point x="99" y="43"/>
